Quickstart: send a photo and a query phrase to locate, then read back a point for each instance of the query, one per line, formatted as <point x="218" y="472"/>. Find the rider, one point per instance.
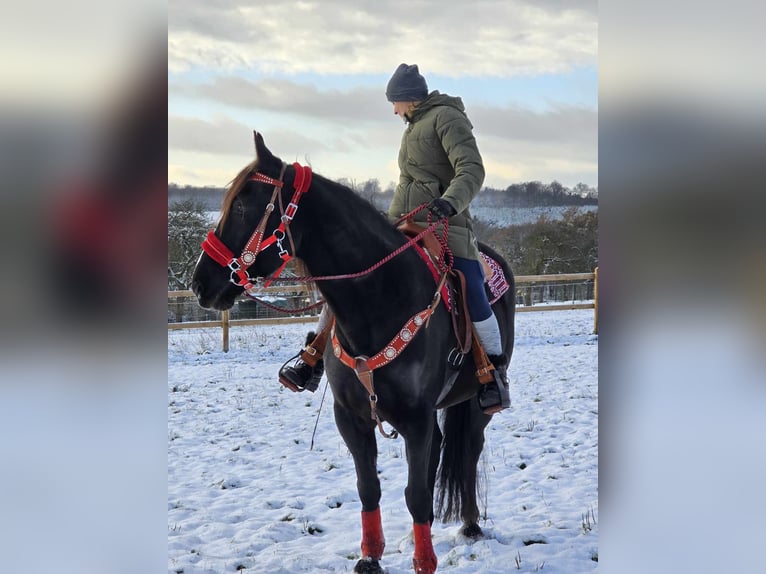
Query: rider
<point x="439" y="164"/>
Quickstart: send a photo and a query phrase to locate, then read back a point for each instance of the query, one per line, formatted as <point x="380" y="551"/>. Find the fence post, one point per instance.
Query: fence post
<point x="225" y="328"/>
<point x="595" y="301"/>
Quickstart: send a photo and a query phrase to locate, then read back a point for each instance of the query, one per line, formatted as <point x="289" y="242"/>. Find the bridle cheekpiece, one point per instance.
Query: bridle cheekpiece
<point x="217" y="250"/>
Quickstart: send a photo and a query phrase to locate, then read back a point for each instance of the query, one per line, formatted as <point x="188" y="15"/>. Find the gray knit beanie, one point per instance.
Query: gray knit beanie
<point x="406" y="85"/>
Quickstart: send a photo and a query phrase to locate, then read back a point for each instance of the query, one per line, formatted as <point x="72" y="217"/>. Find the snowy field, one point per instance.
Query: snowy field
<point x="505" y="216"/>
<point x="246" y="493"/>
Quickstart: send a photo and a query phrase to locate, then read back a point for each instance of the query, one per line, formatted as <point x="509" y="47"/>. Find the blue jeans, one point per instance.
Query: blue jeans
<point x="476" y="296"/>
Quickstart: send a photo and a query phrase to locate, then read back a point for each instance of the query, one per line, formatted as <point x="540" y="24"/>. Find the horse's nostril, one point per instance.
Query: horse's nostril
<point x="196" y="288"/>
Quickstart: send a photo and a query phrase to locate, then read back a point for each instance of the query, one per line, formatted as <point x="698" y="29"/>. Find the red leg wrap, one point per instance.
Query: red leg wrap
<point x="424" y="559"/>
<point x="372" y="535"/>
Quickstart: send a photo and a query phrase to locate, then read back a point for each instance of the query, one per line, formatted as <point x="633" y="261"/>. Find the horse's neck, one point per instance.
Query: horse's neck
<point x="339" y="241"/>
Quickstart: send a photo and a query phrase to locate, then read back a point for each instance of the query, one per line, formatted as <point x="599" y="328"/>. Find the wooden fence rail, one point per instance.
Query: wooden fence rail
<point x="225" y="322"/>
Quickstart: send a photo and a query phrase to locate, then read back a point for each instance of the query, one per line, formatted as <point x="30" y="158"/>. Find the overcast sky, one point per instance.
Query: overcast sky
<point x="311" y="77"/>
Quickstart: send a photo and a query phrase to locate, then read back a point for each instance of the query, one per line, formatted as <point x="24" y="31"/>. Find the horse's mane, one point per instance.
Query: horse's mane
<point x="350" y="198"/>
<point x="233" y="189"/>
<point x="354" y="207"/>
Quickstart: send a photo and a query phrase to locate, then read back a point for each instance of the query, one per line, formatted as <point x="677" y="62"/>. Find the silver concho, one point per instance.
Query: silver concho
<point x="248" y="257"/>
<point x="418" y="320"/>
<point x="390" y="353"/>
<point x="406" y="335"/>
<point x="336" y="350"/>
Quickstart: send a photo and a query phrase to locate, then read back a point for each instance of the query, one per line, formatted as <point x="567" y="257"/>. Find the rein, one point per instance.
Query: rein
<point x="312" y="278"/>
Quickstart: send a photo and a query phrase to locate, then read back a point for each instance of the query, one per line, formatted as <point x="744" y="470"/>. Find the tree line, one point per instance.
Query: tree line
<point x="546" y="246"/>
<point x="525" y="194"/>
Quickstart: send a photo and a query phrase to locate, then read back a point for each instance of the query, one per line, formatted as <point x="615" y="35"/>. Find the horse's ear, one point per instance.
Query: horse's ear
<point x="261" y="151"/>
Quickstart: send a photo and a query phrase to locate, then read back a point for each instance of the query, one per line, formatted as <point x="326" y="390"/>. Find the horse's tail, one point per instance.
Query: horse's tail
<point x="457" y="485"/>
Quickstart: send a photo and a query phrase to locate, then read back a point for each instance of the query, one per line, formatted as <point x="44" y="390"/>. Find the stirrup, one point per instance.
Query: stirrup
<point x="284" y="380"/>
<point x="498" y="393"/>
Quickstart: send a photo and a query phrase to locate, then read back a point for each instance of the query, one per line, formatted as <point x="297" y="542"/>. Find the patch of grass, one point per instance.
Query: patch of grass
<point x="588" y="520"/>
<point x="309" y="528"/>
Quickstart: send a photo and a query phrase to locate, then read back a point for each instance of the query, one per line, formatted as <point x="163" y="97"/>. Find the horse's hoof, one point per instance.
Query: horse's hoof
<point x="368" y="566"/>
<point x="472" y="531"/>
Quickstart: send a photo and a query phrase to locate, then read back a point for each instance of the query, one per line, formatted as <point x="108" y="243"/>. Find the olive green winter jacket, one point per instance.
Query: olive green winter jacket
<point x="439" y="157"/>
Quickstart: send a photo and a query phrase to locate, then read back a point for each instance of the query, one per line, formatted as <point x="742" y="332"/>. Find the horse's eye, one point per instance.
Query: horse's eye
<point x="238" y="208"/>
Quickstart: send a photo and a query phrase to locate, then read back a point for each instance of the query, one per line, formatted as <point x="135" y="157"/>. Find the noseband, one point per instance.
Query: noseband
<point x="222" y="255"/>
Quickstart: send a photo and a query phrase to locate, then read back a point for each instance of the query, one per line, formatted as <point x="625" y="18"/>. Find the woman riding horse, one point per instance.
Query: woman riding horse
<point x="439" y="164"/>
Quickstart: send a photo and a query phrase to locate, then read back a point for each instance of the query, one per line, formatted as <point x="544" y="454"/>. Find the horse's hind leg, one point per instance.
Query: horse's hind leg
<point x="359" y="437"/>
<point x="470" y="509"/>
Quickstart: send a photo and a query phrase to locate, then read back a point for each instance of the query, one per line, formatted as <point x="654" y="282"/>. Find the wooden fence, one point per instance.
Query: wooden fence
<point x="525" y="291"/>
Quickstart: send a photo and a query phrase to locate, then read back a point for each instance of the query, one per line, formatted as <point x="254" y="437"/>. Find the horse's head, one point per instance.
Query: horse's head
<point x="216" y="281"/>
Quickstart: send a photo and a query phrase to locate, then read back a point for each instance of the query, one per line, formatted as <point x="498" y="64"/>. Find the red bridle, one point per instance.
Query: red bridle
<point x="222" y="255"/>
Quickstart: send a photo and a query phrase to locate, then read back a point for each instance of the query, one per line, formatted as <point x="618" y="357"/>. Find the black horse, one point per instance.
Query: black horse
<point x="335" y="232"/>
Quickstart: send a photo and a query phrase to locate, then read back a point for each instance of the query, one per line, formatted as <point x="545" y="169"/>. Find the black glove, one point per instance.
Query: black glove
<point x="441" y="208"/>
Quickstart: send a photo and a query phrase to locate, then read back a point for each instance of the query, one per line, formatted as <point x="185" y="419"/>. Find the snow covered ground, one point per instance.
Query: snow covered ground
<point x="247" y="494"/>
<point x="505" y="216"/>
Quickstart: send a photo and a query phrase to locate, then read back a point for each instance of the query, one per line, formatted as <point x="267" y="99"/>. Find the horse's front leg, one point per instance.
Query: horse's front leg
<point x="419" y="491"/>
<point x="359" y="436"/>
<point x="436" y="441"/>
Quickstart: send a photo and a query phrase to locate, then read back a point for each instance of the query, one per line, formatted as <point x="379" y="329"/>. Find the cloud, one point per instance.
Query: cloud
<point x="574" y="124"/>
<point x="219" y="136"/>
<point x="558" y="123"/>
<point x="520" y="145"/>
<point x="286" y="96"/>
<point x="485" y="37"/>
<point x="224" y="136"/>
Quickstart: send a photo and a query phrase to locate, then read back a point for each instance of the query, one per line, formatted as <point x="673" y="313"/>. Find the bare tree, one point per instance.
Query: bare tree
<point x="187" y="226"/>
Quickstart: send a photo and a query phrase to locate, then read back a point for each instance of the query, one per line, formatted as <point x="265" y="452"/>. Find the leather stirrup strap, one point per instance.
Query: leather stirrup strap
<point x="314" y="351"/>
<point x="484" y="366"/>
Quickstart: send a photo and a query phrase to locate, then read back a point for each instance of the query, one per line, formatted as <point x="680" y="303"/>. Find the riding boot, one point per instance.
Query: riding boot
<point x="302" y="375"/>
<point x="495" y="396"/>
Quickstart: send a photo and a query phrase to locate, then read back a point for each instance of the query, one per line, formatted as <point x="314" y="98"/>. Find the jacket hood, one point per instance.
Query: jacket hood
<point x="435" y="99"/>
